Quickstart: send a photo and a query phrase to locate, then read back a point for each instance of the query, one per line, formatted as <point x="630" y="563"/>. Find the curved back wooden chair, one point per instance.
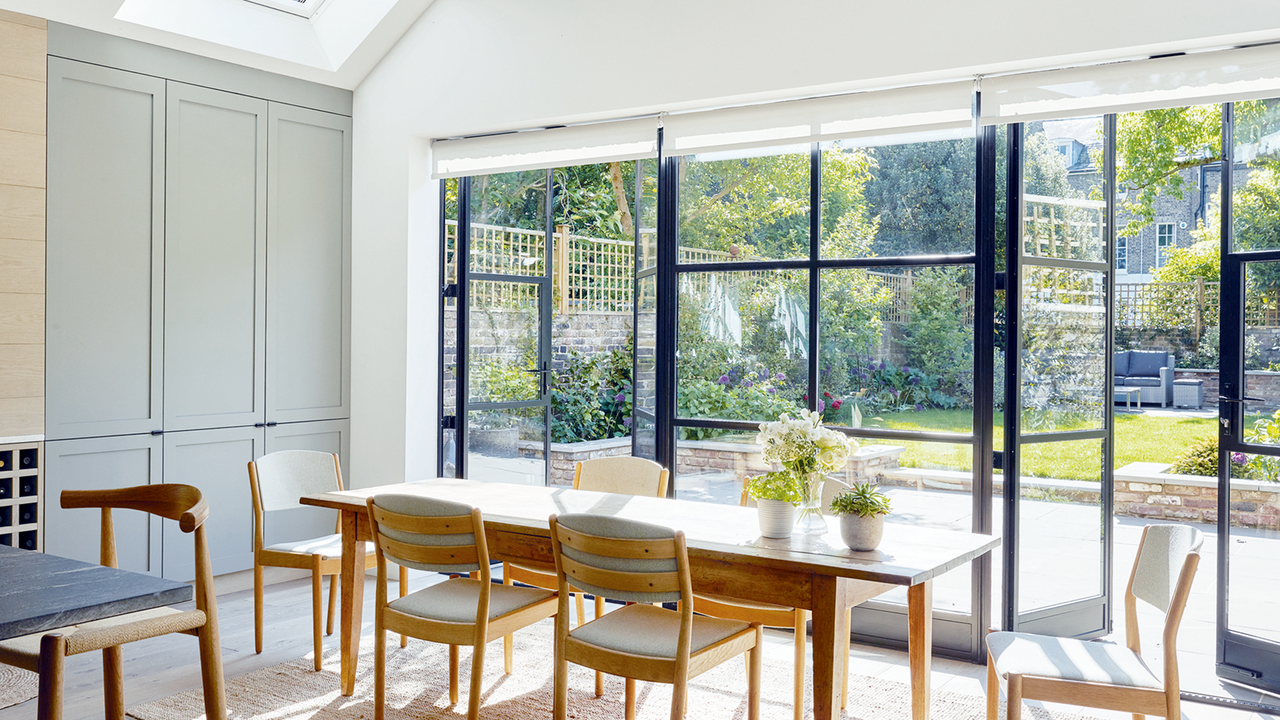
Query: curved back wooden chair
<point x="625" y="475"/>
<point x="44" y="653"/>
<point x="448" y="537"/>
<point x="642" y="564"/>
<point x="277" y="480"/>
<point x="1105" y="675"/>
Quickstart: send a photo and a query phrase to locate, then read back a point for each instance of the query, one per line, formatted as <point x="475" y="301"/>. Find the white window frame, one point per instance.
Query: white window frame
<point x="1165" y="241"/>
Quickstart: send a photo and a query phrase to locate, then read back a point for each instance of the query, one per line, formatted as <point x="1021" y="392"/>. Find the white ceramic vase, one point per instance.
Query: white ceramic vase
<point x="861" y="534"/>
<point x="777" y="518"/>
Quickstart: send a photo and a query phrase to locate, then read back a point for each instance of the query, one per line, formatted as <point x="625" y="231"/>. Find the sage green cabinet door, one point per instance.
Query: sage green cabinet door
<point x="301" y="522"/>
<point x="102" y="464"/>
<point x="217" y="463"/>
<point x="105" y="253"/>
<point x="215" y="259"/>
<point x="308" y="265"/>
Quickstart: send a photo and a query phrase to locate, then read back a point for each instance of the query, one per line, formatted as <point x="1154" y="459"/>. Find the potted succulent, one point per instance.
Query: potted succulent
<point x="861" y="509"/>
<point x="776" y="494"/>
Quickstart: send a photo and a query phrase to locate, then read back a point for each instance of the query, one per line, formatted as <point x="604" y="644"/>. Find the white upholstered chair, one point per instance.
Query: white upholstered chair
<point x="625" y="475"/>
<point x="640" y="563"/>
<point x="447" y="537"/>
<point x="277" y="480"/>
<point x="1100" y="674"/>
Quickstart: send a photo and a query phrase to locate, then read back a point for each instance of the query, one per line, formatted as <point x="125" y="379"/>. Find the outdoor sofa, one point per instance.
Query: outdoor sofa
<point x="1150" y="371"/>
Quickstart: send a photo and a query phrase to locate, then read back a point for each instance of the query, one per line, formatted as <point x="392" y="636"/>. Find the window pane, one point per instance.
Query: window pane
<point x="509" y="223"/>
<point x="742" y="344"/>
<point x="897" y="344"/>
<point x="646" y="345"/>
<point x="1064" y="214"/>
<point x="1256" y="190"/>
<point x="504" y="327"/>
<point x="506" y="445"/>
<point x="1062" y="354"/>
<point x="1255" y="546"/>
<point x="751" y="205"/>
<point x="897" y="200"/>
<point x="647" y="211"/>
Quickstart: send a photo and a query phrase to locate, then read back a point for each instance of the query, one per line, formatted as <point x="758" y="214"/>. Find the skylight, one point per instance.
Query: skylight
<point x="305" y="8"/>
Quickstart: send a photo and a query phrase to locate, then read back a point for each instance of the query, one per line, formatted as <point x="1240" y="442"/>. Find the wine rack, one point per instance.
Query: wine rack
<point x="21" y="488"/>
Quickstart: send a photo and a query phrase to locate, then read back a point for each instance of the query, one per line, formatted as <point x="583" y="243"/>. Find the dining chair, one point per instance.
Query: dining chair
<point x="770" y="615"/>
<point x="1102" y="674"/>
<point x="624" y="475"/>
<point x="640" y="563"/>
<point x="445" y="537"/>
<point x="277" y="480"/>
<point x="45" y="653"/>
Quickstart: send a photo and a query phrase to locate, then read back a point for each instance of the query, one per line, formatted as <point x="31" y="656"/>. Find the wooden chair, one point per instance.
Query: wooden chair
<point x="640" y="563"/>
<point x="45" y="653"/>
<point x="770" y="615"/>
<point x="441" y="536"/>
<point x="276" y="481"/>
<point x="624" y="475"/>
<point x="1099" y="674"/>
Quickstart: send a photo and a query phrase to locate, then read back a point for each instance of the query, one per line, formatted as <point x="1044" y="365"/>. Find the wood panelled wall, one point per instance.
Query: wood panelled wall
<point x="22" y="213"/>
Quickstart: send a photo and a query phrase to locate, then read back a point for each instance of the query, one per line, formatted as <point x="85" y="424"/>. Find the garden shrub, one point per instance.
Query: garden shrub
<point x="938" y="339"/>
<point x="591" y="397"/>
<point x="1202" y="459"/>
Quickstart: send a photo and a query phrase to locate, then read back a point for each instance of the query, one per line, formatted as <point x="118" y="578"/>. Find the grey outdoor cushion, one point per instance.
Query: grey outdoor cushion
<point x="1147" y="363"/>
<point x="455" y="600"/>
<point x="1067" y="659"/>
<point x="1118" y="380"/>
<point x="1120" y="363"/>
<point x="652" y="631"/>
<point x="1133" y="381"/>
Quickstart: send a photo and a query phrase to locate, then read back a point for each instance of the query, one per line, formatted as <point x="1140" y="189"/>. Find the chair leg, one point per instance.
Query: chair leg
<point x="753" y="684"/>
<point x="848" y="647"/>
<point x="404" y="590"/>
<point x="211" y="678"/>
<point x="599" y="607"/>
<point x="1014" y="696"/>
<point x="113" y="681"/>
<point x="560" y="680"/>
<point x="317" y="608"/>
<point x="797" y="690"/>
<point x="477" y="679"/>
<point x="257" y="608"/>
<point x="678" y="692"/>
<point x="379" y="670"/>
<point x="993" y="690"/>
<point x="581" y="607"/>
<point x="53" y="655"/>
<point x="507" y="640"/>
<point x="453" y="674"/>
<point x="333" y="598"/>
<point x="630" y="694"/>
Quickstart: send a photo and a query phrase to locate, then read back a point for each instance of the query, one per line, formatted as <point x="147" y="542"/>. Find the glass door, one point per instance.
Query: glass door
<point x="504" y="318"/>
<point x="1056" y="481"/>
<point x="1249" y="402"/>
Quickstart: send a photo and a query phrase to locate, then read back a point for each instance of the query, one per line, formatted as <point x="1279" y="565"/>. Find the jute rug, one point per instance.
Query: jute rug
<point x="17" y="685"/>
<point x="418" y="687"/>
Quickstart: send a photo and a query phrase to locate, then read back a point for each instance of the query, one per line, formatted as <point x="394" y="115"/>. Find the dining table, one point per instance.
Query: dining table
<point x="727" y="556"/>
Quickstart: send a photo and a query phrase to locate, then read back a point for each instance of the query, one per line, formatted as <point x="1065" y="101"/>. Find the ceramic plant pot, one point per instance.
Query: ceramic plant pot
<point x="777" y="518"/>
<point x="861" y="534"/>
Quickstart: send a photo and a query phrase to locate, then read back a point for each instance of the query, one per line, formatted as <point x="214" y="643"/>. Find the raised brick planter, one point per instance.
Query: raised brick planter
<point x="1142" y="490"/>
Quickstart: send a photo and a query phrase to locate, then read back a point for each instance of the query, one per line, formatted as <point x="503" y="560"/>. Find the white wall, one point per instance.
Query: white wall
<point x="469" y="66"/>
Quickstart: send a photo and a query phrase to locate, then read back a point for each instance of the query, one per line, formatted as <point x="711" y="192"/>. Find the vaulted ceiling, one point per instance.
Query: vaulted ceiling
<point x="337" y="46"/>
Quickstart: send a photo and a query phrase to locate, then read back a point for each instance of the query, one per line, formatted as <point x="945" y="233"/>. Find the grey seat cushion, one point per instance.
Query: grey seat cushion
<point x="455" y="600"/>
<point x="1146" y="363"/>
<point x="1120" y="363"/>
<point x="329" y="546"/>
<point x="1132" y="381"/>
<point x="1118" y="380"/>
<point x="652" y="631"/>
<point x="1067" y="659"/>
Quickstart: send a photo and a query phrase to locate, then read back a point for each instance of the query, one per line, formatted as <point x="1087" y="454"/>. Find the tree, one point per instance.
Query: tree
<point x="922" y="194"/>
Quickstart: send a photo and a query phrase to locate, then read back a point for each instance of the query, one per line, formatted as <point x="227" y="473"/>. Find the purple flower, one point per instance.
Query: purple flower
<point x="918" y="407"/>
<point x="906" y="369"/>
<point x="893" y="392"/>
<point x="1238" y="458"/>
<point x="882" y="365"/>
<point x="724" y="380"/>
<point x="821" y="406"/>
<point x="779" y="376"/>
<point x="747" y="384"/>
<point x="619" y="397"/>
<point x="626" y="422"/>
<point x="772" y="391"/>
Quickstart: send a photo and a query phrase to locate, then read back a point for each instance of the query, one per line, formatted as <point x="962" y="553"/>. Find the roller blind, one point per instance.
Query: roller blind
<point x="869" y="114"/>
<point x="554" y="147"/>
<point x="1195" y="79"/>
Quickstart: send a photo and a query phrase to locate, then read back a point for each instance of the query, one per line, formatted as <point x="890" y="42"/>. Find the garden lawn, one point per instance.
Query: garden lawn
<point x="1138" y="438"/>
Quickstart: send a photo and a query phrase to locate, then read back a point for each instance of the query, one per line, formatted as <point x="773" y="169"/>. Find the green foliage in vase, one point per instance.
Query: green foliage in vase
<point x="776" y="485"/>
<point x="863" y="500"/>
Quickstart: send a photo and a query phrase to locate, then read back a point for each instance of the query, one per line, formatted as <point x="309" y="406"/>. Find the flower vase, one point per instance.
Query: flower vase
<point x="809" y="520"/>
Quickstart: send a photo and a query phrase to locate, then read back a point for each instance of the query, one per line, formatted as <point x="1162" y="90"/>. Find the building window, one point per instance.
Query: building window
<point x="1164" y="243"/>
<point x="1122" y="253"/>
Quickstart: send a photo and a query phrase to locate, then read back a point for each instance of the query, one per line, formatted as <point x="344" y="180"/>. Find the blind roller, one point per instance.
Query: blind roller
<point x="554" y="147"/>
<point x="869" y="114"/>
<point x="1208" y="77"/>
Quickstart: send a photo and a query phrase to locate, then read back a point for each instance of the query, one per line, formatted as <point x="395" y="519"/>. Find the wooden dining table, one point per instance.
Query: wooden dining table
<point x="727" y="556"/>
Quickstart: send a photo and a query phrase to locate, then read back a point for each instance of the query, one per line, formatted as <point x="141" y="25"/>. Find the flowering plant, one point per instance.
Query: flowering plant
<point x="803" y="446"/>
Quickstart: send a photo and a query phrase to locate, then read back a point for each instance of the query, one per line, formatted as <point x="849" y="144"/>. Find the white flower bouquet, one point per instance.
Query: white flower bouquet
<point x="808" y="451"/>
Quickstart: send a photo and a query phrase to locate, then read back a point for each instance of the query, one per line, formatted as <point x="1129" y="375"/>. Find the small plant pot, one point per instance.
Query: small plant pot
<point x="777" y="518"/>
<point x="861" y="534"/>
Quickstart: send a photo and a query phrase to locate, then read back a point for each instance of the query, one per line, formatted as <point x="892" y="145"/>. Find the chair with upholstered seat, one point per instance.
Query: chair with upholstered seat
<point x="45" y="652"/>
<point x="625" y="475"/>
<point x="1100" y="674"/>
<point x="640" y="563"/>
<point x="446" y="537"/>
<point x="277" y="480"/>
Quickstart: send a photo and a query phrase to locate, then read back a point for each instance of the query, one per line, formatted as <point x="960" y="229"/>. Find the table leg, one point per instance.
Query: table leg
<point x="352" y="598"/>
<point x="830" y="638"/>
<point x="920" y="645"/>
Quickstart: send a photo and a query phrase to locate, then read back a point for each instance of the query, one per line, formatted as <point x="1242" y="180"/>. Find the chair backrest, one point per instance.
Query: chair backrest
<point x="279" y="479"/>
<point x="625" y="474"/>
<point x="1162" y="555"/>
<point x="428" y="534"/>
<point x="620" y="559"/>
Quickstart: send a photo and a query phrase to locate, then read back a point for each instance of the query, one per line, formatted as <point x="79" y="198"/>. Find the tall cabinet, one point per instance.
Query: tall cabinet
<point x="199" y="302"/>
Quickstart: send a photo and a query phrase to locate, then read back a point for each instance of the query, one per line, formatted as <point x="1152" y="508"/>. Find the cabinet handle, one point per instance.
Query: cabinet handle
<point x="261" y="424"/>
<point x="157" y="432"/>
<point x="272" y="424"/>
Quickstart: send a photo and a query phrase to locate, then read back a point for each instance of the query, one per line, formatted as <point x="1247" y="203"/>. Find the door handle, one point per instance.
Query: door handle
<point x="542" y="380"/>
<point x="1240" y="400"/>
